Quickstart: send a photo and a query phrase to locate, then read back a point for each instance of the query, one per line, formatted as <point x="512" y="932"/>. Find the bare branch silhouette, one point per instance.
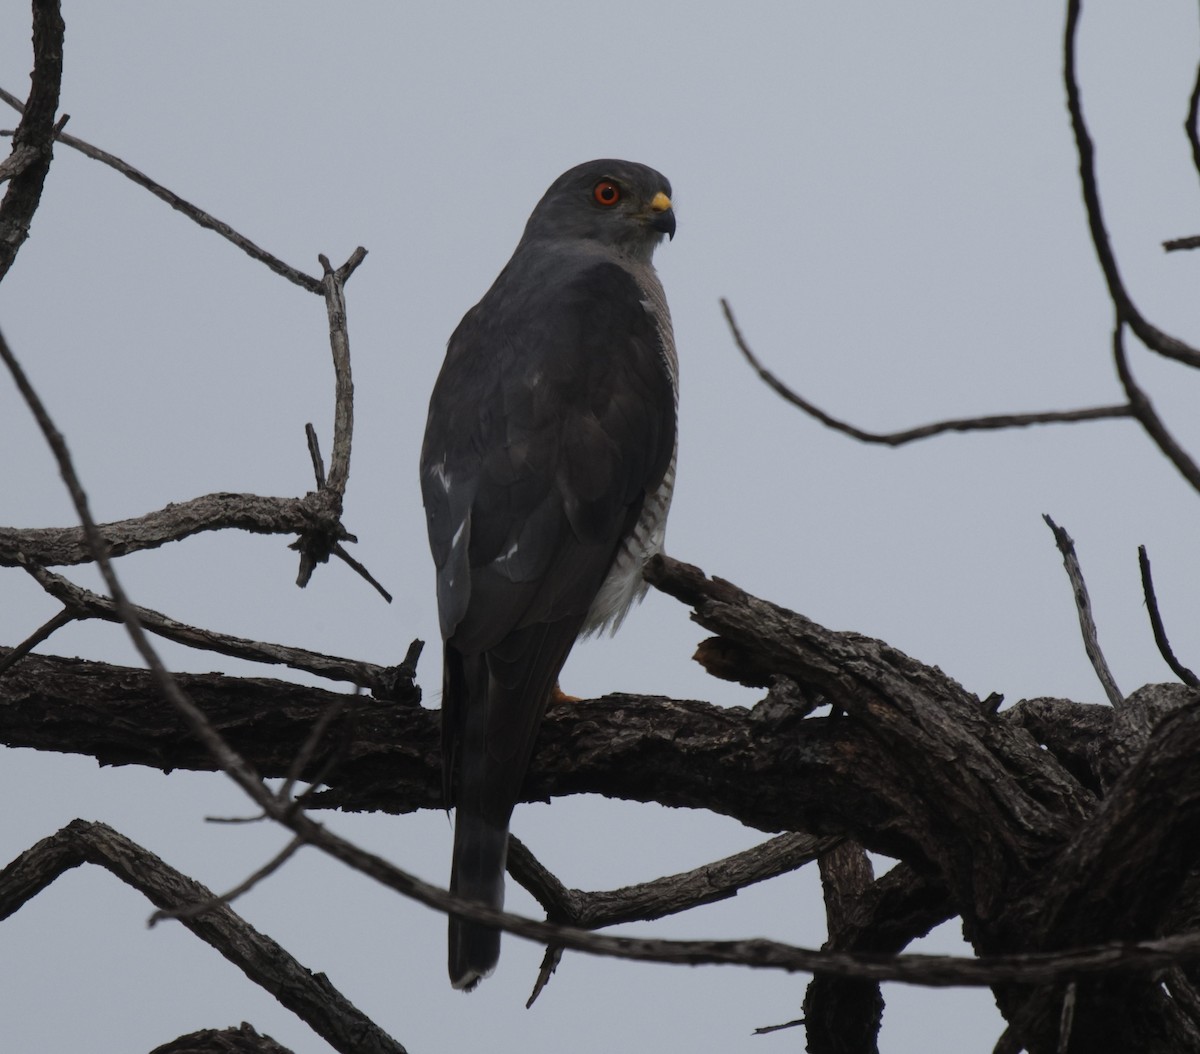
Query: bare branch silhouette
<point x="309" y="995"/>
<point x="1153" y="337"/>
<point x="80" y="603"/>
<point x="1144" y="411"/>
<point x="33" y="141"/>
<point x="1083" y="607"/>
<point x="1156" y="623"/>
<point x="193" y="212"/>
<point x="958" y="424"/>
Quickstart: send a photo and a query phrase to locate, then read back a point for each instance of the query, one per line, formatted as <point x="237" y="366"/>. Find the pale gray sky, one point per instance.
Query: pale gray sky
<point x="888" y="196"/>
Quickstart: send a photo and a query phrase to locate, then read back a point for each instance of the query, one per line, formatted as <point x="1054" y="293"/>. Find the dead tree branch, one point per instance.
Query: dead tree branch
<point x="79" y="603"/>
<point x="958" y="424"/>
<point x="33" y="141"/>
<point x="308" y="995"/>
<point x="65" y="546"/>
<point x="241" y="1040"/>
<point x="193" y="212"/>
<point x="1083" y="607"/>
<point x="228" y="760"/>
<point x="1148" y="417"/>
<point x="1127" y="312"/>
<point x="669" y="895"/>
<point x="1156" y="624"/>
<point x="843" y="1016"/>
<point x="316" y="547"/>
<point x="1191" y="128"/>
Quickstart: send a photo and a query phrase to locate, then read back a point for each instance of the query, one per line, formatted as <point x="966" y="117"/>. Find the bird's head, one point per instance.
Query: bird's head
<point x="617" y="203"/>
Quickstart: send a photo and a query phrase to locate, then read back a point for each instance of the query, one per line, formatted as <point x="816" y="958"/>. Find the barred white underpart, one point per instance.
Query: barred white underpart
<point x="624" y="585"/>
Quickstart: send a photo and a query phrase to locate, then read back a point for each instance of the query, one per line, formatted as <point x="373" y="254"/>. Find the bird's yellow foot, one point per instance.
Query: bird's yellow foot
<point x="558" y="696"/>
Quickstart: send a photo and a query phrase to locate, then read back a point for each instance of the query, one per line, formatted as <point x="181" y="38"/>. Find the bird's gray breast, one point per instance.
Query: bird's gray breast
<point x="624" y="585"/>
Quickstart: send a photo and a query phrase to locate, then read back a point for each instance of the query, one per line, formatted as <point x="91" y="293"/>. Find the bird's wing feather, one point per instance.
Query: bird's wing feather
<point x="551" y="421"/>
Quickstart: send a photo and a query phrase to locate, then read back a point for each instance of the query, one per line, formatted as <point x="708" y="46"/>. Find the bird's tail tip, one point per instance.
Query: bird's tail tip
<point x="474" y="952"/>
<point x="480" y="851"/>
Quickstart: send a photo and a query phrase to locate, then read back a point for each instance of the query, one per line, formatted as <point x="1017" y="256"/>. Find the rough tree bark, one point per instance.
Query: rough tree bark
<point x="1040" y="834"/>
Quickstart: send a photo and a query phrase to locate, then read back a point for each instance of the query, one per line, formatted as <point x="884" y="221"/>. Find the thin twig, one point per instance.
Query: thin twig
<point x="1191" y="123"/>
<point x="308" y="749"/>
<point x="63" y="618"/>
<point x="764" y="1030"/>
<point x="19" y="881"/>
<point x="236" y="767"/>
<point x="83" y="603"/>
<point x="333" y="285"/>
<point x="1156" y="624"/>
<point x="316" y="547"/>
<point x="1148" y="417"/>
<point x="961" y="424"/>
<point x="1191" y="241"/>
<point x="1153" y="337"/>
<point x="930" y="970"/>
<point x="656" y="899"/>
<point x="652" y="900"/>
<point x="547" y="969"/>
<point x="1191" y="128"/>
<point x="193" y="212"/>
<point x="1192" y="132"/>
<point x="201" y="907"/>
<point x="1083" y="607"/>
<point x="314" y="452"/>
<point x="361" y="571"/>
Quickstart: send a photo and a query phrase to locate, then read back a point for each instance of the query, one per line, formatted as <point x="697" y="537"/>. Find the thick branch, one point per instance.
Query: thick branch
<point x="58" y="546"/>
<point x="620" y="740"/>
<point x="842" y="1016"/>
<point x="643" y="749"/>
<point x="34" y="137"/>
<point x="811" y="774"/>
<point x="669" y="895"/>
<point x="241" y="1040"/>
<point x="977" y="795"/>
<point x="1130" y="859"/>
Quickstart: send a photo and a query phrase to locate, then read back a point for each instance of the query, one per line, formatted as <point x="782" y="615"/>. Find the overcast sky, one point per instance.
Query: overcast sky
<point x="887" y="194"/>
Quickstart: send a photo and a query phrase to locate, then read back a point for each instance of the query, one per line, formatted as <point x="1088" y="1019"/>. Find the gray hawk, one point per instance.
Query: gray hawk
<point x="546" y="473"/>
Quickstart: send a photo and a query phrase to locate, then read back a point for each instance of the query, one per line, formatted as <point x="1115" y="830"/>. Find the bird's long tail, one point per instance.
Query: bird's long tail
<point x="480" y="851"/>
<point x="492" y="705"/>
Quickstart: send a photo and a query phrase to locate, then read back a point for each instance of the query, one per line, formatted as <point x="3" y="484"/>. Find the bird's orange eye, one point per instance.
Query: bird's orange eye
<point x="606" y="193"/>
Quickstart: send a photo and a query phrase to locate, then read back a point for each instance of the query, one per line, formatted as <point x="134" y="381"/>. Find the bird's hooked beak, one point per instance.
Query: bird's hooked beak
<point x="662" y="216"/>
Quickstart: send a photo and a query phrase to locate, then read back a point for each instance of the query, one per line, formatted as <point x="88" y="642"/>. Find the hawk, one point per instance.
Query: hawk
<point x="546" y="474"/>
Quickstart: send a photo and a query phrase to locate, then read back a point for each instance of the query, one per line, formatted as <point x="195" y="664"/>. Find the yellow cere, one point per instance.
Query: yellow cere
<point x="661" y="202"/>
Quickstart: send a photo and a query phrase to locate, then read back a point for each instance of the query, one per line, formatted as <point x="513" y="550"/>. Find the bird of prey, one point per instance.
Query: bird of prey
<point x="546" y="473"/>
